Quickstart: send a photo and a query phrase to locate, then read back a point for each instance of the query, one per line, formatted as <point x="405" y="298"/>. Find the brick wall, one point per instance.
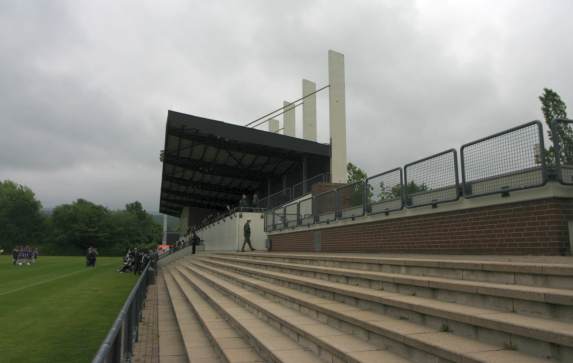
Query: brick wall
<point x="533" y="227"/>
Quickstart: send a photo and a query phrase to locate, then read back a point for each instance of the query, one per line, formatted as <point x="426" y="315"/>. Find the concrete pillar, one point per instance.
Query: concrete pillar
<point x="288" y="119"/>
<point x="309" y="111"/>
<point x="273" y="125"/>
<point x="184" y="221"/>
<point x="337" y="111"/>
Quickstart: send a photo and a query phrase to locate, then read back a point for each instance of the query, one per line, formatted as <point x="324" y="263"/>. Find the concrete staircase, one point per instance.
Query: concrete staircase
<point x="278" y="307"/>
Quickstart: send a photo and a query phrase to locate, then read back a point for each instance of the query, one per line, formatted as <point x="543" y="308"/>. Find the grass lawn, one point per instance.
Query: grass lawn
<point x="58" y="310"/>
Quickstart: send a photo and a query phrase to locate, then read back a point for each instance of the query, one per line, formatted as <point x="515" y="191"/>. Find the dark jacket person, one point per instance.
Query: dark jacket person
<point x="247" y="235"/>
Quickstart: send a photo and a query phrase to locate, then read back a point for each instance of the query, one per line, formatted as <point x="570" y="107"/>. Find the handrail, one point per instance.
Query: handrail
<point x="446" y="179"/>
<point x="119" y="340"/>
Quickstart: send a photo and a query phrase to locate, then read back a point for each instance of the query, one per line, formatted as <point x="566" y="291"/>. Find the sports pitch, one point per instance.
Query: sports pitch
<point x="58" y="310"/>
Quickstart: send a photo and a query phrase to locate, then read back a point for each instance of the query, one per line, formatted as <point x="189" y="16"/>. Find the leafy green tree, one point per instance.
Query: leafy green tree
<point x="355" y="174"/>
<point x="392" y="192"/>
<point x="135" y="227"/>
<point x="553" y="108"/>
<point x="21" y="221"/>
<point x="80" y="225"/>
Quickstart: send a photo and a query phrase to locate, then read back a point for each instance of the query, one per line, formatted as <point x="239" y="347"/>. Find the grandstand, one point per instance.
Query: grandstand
<point x="461" y="256"/>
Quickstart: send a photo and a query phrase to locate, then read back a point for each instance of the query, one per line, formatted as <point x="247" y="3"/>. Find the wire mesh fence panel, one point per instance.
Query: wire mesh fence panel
<point x="562" y="132"/>
<point x="280" y="198"/>
<point x="351" y="200"/>
<point x="297" y="190"/>
<point x="278" y="219"/>
<point x="384" y="192"/>
<point x="306" y="217"/>
<point x="325" y="206"/>
<point x="506" y="161"/>
<point x="432" y="180"/>
<point x="305" y="186"/>
<point x="264" y="203"/>
<point x="291" y="215"/>
<point x="269" y="221"/>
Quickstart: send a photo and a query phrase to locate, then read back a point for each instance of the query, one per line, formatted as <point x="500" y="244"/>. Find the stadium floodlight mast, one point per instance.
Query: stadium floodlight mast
<point x="337" y="115"/>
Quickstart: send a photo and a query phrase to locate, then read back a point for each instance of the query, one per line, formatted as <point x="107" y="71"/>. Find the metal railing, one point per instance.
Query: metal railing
<point x="305" y="186"/>
<point x="325" y="206"/>
<point x="350" y="200"/>
<point x="305" y="212"/>
<point x="118" y="344"/>
<point x="431" y="180"/>
<point x="562" y="134"/>
<point x="276" y="199"/>
<point x="514" y="159"/>
<point x="384" y="192"/>
<point x="506" y="161"/>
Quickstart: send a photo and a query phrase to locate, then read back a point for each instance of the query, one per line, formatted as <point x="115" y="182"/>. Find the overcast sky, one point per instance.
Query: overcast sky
<point x="85" y="86"/>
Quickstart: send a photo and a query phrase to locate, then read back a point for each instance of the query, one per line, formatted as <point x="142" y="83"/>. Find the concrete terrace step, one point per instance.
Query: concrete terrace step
<point x="229" y="345"/>
<point x="196" y="343"/>
<point x="533" y="335"/>
<point x="529" y="300"/>
<point x="171" y="347"/>
<point x="327" y="343"/>
<point x="411" y="340"/>
<point x="535" y="272"/>
<point x="271" y="344"/>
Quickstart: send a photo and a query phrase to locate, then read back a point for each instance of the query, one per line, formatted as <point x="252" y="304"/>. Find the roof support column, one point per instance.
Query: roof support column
<point x="288" y="119"/>
<point x="309" y="110"/>
<point x="268" y="192"/>
<point x="304" y="175"/>
<point x="337" y="111"/>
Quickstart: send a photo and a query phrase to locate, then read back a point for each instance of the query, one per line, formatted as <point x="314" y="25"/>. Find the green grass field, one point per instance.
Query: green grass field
<point x="58" y="310"/>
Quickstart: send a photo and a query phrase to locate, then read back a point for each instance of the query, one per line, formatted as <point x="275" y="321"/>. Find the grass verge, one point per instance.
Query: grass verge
<point x="58" y="310"/>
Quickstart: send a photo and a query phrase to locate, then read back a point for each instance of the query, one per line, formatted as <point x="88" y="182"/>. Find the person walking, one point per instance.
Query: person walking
<point x="247" y="235"/>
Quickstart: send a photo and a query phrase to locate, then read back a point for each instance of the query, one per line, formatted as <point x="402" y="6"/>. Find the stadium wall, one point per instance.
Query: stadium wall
<point x="532" y="222"/>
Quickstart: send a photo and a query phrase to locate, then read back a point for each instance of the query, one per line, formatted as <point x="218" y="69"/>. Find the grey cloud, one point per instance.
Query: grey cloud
<point x="86" y="85"/>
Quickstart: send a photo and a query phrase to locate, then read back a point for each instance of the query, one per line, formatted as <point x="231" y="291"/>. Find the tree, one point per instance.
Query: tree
<point x="355" y="174"/>
<point x="21" y="221"/>
<point x="135" y="227"/>
<point x="554" y="108"/>
<point x="80" y="225"/>
<point x="392" y="192"/>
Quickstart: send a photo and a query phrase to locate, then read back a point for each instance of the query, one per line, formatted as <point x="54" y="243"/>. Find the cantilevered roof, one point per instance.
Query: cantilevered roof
<point x="209" y="163"/>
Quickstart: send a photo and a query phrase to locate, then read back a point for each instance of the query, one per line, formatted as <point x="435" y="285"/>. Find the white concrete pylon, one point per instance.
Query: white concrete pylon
<point x="288" y="119"/>
<point x="337" y="113"/>
<point x="309" y="110"/>
<point x="273" y="125"/>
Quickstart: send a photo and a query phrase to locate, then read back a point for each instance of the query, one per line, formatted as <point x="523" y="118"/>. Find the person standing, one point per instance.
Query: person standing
<point x="244" y="203"/>
<point x="91" y="257"/>
<point x="255" y="200"/>
<point x="195" y="240"/>
<point x="247" y="235"/>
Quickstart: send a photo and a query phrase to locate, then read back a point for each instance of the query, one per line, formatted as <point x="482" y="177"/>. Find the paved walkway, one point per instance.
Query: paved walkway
<point x="146" y="350"/>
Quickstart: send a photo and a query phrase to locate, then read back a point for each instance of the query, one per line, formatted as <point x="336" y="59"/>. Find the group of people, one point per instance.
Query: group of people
<point x="135" y="260"/>
<point x="24" y="255"/>
<point x="246" y="203"/>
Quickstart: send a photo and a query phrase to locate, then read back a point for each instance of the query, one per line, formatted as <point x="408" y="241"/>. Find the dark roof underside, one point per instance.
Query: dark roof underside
<point x="209" y="164"/>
